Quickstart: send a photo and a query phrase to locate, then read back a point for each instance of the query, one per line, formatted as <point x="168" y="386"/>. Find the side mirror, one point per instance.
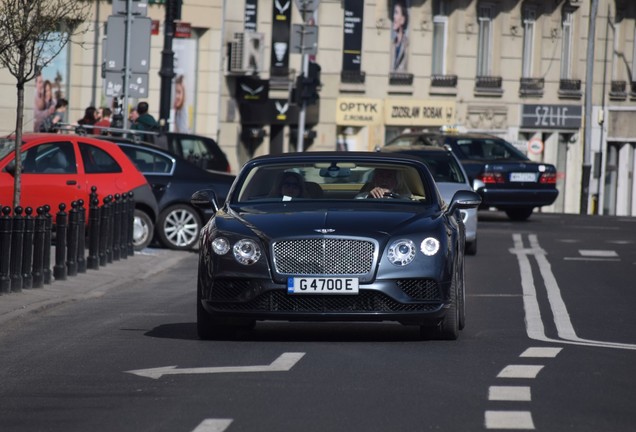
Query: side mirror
<point x="205" y="199"/>
<point x="10" y="168"/>
<point x="464" y="199"/>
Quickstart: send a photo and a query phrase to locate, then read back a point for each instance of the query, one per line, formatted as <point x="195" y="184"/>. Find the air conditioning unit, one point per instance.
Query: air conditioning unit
<point x="247" y="53"/>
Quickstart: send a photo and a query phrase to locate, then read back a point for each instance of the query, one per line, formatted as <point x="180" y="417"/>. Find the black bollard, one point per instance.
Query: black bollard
<point x="71" y="240"/>
<point x="61" y="226"/>
<point x="81" y="238"/>
<point x="123" y="231"/>
<point x="5" y="246"/>
<point x="116" y="226"/>
<point x="17" y="237"/>
<point x="109" y="231"/>
<point x="48" y="232"/>
<point x="131" y="223"/>
<point x="38" y="249"/>
<point x="103" y="232"/>
<point x="27" y="249"/>
<point x="94" y="216"/>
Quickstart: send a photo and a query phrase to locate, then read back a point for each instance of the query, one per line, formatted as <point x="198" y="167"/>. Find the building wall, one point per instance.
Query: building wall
<point x="496" y="110"/>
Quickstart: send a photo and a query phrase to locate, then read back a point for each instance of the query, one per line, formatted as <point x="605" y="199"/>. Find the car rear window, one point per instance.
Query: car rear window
<point x="97" y="161"/>
<point x="488" y="149"/>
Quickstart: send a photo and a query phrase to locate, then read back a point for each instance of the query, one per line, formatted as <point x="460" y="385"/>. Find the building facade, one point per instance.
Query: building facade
<point x="512" y="68"/>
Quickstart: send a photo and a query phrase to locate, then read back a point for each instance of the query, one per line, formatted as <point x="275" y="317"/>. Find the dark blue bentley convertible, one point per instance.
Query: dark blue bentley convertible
<point x="332" y="236"/>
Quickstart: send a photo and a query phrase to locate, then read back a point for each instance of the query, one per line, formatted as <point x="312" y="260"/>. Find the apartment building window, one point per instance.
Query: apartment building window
<point x="440" y="29"/>
<point x="529" y="20"/>
<point x="485" y="43"/>
<point x="633" y="83"/>
<point x="566" y="48"/>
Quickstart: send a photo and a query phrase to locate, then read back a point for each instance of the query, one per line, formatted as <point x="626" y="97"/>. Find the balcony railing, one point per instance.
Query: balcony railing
<point x="488" y="82"/>
<point x="570" y="88"/>
<point x="444" y="81"/>
<point x="618" y="90"/>
<point x="352" y="77"/>
<point x="531" y="86"/>
<point x="400" y="79"/>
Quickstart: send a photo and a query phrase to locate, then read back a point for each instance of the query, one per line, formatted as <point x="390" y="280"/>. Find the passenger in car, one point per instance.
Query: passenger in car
<point x="289" y="184"/>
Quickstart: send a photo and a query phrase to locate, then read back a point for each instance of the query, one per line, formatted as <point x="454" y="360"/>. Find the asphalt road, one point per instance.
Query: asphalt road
<point x="549" y="345"/>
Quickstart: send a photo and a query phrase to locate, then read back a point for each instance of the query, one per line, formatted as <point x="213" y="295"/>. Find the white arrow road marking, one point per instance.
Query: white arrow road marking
<point x="213" y="425"/>
<point x="534" y="324"/>
<point x="282" y="364"/>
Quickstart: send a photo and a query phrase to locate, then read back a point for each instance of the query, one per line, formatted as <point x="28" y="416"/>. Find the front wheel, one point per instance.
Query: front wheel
<point x="143" y="227"/>
<point x="178" y="227"/>
<point x="448" y="329"/>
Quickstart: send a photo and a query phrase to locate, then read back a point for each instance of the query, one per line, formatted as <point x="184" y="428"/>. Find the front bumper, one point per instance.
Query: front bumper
<point x="409" y="301"/>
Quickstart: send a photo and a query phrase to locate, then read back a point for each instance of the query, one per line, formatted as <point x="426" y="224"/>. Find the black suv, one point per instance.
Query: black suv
<point x="503" y="176"/>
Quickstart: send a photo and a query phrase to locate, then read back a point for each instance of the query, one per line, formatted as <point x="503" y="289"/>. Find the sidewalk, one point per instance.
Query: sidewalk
<point x="93" y="283"/>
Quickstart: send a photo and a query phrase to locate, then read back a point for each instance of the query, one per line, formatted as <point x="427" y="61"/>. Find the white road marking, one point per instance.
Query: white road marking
<point x="509" y="420"/>
<point x="541" y="352"/>
<point x="589" y="259"/>
<point x="213" y="425"/>
<point x="282" y="364"/>
<point x="534" y="324"/>
<point x="520" y="371"/>
<point x="509" y="393"/>
<point x="598" y="253"/>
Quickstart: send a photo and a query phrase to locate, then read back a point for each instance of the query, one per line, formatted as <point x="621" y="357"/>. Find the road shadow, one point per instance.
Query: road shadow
<point x="299" y="332"/>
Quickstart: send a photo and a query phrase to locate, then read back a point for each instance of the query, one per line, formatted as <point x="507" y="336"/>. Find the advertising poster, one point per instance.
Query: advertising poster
<point x="399" y="16"/>
<point x="183" y="94"/>
<point x="352" y="42"/>
<point x="281" y="28"/>
<point x="51" y="83"/>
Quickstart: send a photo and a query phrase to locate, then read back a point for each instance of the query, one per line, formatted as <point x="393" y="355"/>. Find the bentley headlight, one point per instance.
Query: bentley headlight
<point x="401" y="252"/>
<point x="247" y="251"/>
<point x="220" y="246"/>
<point x="429" y="246"/>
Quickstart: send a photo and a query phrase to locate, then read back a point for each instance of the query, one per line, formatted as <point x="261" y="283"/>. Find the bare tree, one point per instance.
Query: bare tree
<point x="33" y="33"/>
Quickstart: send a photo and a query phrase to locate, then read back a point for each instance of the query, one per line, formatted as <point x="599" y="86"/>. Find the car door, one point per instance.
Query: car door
<point x="50" y="175"/>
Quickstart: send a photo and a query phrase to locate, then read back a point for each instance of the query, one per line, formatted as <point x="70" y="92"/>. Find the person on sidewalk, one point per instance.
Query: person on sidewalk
<point x="145" y="121"/>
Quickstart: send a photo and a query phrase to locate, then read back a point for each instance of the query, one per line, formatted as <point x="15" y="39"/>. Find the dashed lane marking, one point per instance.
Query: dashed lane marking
<point x="520" y="371"/>
<point x="213" y="425"/>
<point x="540" y="352"/>
<point x="509" y="393"/>
<point x="519" y="420"/>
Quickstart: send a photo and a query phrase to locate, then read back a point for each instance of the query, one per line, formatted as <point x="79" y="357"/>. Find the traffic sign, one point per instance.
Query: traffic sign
<point x="307" y="5"/>
<point x="535" y="146"/>
<point x="138" y="7"/>
<point x="304" y="39"/>
<point x="137" y="84"/>
<point x="115" y="49"/>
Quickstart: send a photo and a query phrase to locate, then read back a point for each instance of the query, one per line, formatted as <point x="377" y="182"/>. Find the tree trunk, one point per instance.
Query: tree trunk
<point x="17" y="183"/>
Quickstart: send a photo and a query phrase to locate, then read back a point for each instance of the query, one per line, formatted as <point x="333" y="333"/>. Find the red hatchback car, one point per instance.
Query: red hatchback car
<point x="63" y="168"/>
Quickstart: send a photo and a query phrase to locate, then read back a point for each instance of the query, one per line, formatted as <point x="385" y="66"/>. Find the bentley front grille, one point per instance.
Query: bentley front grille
<point x="324" y="256"/>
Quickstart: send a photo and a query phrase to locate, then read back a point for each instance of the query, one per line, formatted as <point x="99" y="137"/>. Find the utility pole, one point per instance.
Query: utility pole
<point x="304" y="41"/>
<point x="589" y="83"/>
<point x="173" y="11"/>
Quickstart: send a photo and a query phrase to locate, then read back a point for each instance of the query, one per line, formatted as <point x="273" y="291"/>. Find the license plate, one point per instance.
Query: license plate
<point x="523" y="177"/>
<point x="322" y="285"/>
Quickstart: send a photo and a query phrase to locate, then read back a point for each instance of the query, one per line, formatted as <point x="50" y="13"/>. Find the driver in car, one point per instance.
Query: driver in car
<point x="385" y="183"/>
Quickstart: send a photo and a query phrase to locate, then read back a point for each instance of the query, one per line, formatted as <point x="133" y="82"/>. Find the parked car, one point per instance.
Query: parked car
<point x="450" y="178"/>
<point x="63" y="168"/>
<point x="174" y="180"/>
<point x="198" y="149"/>
<point x="302" y="236"/>
<point x="502" y="175"/>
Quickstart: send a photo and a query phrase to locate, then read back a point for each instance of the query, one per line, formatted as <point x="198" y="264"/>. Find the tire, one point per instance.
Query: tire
<point x="206" y="327"/>
<point x="178" y="227"/>
<point x="471" y="248"/>
<point x="143" y="228"/>
<point x="448" y="329"/>
<point x="519" y="213"/>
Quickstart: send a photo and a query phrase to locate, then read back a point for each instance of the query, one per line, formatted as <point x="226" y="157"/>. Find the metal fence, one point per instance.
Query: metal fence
<point x="77" y="239"/>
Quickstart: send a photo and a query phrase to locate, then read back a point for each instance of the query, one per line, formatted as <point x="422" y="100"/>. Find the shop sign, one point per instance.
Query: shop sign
<point x="551" y="116"/>
<point x="358" y="111"/>
<point x="400" y="112"/>
<point x="182" y="30"/>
